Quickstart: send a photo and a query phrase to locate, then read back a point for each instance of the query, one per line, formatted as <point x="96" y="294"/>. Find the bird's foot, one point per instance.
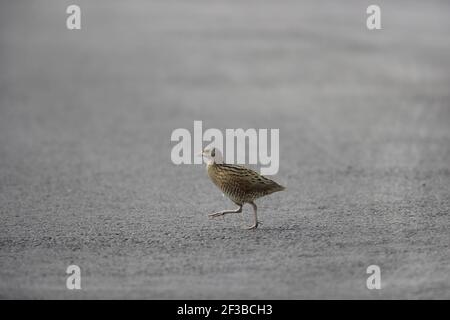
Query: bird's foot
<point x="253" y="226"/>
<point x="216" y="214"/>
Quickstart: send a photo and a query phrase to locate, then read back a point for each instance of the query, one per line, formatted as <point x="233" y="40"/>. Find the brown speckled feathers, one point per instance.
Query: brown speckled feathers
<point x="241" y="184"/>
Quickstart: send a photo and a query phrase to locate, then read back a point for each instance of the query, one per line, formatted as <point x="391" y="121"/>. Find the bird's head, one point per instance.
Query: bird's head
<point x="211" y="155"/>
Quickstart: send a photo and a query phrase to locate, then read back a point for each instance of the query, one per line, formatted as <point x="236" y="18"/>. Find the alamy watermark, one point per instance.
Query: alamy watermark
<point x="74" y="279"/>
<point x="374" y="280"/>
<point x="237" y="142"/>
<point x="73" y="21"/>
<point x="373" y="21"/>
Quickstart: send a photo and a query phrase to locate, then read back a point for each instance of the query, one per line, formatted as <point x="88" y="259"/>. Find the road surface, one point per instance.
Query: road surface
<point x="85" y="170"/>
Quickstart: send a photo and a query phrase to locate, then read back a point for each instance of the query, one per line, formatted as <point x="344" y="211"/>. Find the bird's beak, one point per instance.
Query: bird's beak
<point x="200" y="154"/>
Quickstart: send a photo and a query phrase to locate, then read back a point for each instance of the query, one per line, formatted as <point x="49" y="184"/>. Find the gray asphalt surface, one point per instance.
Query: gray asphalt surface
<point x="85" y="171"/>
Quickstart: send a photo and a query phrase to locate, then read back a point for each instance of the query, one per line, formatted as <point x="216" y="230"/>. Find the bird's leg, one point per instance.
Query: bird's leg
<point x="255" y="224"/>
<point x="224" y="212"/>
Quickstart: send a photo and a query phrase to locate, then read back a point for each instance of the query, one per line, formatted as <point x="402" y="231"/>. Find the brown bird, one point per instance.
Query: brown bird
<point x="238" y="183"/>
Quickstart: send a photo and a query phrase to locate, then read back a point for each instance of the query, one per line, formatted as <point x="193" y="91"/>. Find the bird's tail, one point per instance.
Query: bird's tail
<point x="280" y="188"/>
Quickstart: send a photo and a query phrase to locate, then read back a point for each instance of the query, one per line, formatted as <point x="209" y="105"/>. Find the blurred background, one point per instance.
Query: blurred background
<point x="85" y="171"/>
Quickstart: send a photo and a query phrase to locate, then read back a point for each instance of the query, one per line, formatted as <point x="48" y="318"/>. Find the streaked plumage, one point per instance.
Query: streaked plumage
<point x="240" y="184"/>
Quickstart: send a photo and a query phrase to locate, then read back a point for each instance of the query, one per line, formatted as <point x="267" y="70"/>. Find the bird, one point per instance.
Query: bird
<point x="241" y="185"/>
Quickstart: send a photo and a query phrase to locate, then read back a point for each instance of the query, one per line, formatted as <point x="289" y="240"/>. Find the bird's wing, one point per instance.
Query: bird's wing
<point x="250" y="180"/>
